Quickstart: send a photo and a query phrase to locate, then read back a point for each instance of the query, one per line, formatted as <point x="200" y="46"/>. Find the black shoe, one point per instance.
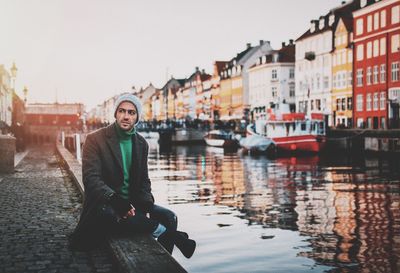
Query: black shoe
<point x="184" y="234"/>
<point x="185" y="245"/>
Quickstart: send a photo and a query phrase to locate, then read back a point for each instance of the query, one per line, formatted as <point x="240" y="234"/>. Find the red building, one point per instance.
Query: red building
<point x="376" y="64"/>
<point x="45" y="120"/>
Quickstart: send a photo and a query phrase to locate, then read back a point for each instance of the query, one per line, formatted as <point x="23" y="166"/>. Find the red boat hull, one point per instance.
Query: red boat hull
<point x="303" y="143"/>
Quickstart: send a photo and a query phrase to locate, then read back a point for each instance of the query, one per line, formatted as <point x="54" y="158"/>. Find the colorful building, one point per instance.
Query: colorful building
<point x="314" y="63"/>
<point x="376" y="65"/>
<point x="215" y="89"/>
<point x="342" y="73"/>
<point x="272" y="80"/>
<point x="234" y="83"/>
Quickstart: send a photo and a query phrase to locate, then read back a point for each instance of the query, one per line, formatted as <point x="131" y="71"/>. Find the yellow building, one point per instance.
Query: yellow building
<point x="225" y="96"/>
<point x="342" y="63"/>
<point x="215" y="89"/>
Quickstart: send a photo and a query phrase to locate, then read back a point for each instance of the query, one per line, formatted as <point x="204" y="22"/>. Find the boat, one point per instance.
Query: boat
<point x="291" y="131"/>
<point x="256" y="144"/>
<point x="221" y="138"/>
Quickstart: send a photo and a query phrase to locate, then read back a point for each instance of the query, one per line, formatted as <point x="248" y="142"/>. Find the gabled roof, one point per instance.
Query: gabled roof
<point x="220" y="65"/>
<point x="343" y="11"/>
<point x="287" y="54"/>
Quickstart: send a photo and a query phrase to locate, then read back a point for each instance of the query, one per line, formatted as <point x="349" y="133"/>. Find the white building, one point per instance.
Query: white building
<point x="314" y="63"/>
<point x="5" y="98"/>
<point x="272" y="80"/>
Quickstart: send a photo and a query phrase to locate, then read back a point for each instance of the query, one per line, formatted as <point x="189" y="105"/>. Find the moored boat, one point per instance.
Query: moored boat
<point x="221" y="138"/>
<point x="291" y="131"/>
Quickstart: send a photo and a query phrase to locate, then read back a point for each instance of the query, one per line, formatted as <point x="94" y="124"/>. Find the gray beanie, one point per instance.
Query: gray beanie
<point x="130" y="98"/>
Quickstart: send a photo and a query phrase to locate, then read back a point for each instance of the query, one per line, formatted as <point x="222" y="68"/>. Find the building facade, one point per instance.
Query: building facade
<point x="342" y="74"/>
<point x="272" y="80"/>
<point x="314" y="63"/>
<point x="6" y="93"/>
<point x="376" y="64"/>
<point x="45" y="120"/>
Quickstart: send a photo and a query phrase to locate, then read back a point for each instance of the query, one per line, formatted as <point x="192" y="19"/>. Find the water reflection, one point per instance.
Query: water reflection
<point x="347" y="210"/>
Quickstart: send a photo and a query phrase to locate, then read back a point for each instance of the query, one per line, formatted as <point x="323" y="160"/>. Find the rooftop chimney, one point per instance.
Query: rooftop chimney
<point x="343" y="2"/>
<point x="283" y="44"/>
<point x="248" y="45"/>
<point x="261" y="42"/>
<point x="197" y="68"/>
<point x="291" y="41"/>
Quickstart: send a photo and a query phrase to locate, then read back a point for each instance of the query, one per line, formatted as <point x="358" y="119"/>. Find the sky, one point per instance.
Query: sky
<point x="89" y="50"/>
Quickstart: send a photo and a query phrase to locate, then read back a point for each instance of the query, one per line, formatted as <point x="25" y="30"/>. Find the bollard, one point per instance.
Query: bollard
<point x="7" y="152"/>
<point x="63" y="138"/>
<point x="78" y="147"/>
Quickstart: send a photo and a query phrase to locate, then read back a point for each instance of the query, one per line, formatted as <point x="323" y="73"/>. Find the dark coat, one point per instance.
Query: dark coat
<point x="102" y="173"/>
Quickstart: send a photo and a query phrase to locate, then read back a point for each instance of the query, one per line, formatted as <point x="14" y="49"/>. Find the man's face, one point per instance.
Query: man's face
<point x="126" y="116"/>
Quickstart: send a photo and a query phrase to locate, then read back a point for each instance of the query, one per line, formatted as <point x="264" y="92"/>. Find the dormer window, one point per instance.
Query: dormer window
<point x="363" y="3"/>
<point x="259" y="61"/>
<point x="312" y="28"/>
<point x="321" y="22"/>
<point x="275" y="58"/>
<point x="331" y="19"/>
<point x="234" y="62"/>
<point x="239" y="69"/>
<point x="264" y="59"/>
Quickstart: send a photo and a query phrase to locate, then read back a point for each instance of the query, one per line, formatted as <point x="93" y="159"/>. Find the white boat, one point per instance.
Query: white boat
<point x="220" y="138"/>
<point x="291" y="131"/>
<point x="256" y="143"/>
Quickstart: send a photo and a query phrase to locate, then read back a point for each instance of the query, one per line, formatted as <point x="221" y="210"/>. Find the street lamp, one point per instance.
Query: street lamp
<point x="14" y="70"/>
<point x="25" y="91"/>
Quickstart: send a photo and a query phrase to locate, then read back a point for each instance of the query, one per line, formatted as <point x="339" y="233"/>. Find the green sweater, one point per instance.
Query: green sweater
<point x="125" y="143"/>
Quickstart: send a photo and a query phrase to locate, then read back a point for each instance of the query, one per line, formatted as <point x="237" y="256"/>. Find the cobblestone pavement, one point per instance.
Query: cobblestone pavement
<point x="39" y="206"/>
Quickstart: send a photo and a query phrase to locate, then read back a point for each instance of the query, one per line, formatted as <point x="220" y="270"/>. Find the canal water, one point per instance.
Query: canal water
<point x="332" y="213"/>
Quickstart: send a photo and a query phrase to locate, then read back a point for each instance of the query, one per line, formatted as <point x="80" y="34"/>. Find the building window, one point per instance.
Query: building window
<point x="344" y="104"/>
<point x="360" y="77"/>
<point x="383" y="123"/>
<point x="274" y="74"/>
<point x="274" y="92"/>
<point x="382" y="101"/>
<point x="376" y="74"/>
<point x="350" y="56"/>
<point x="369" y="102"/>
<point x="369" y="75"/>
<point x="383" y="18"/>
<point x="395" y="72"/>
<point x="338" y="104"/>
<point x="369" y="23"/>
<point x="395" y="15"/>
<point x="359" y="103"/>
<point x="395" y="43"/>
<point x="376" y="48"/>
<point x="349" y="103"/>
<point x="334" y="81"/>
<point x="369" y="50"/>
<point x="291" y="73"/>
<point x="326" y="82"/>
<point x="376" y="20"/>
<point x="383" y="73"/>
<point x="318" y="104"/>
<point x="376" y="101"/>
<point x="291" y="91"/>
<point x="350" y="78"/>
<point x="360" y="52"/>
<point x="383" y="46"/>
<point x="360" y="25"/>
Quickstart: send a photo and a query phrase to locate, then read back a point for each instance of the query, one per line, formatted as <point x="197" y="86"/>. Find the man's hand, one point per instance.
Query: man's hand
<point x="130" y="213"/>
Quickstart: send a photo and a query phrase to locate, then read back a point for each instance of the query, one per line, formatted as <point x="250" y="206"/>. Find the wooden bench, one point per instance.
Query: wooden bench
<point x="139" y="253"/>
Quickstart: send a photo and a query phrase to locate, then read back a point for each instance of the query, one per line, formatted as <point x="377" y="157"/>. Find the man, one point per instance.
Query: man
<point x="118" y="196"/>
